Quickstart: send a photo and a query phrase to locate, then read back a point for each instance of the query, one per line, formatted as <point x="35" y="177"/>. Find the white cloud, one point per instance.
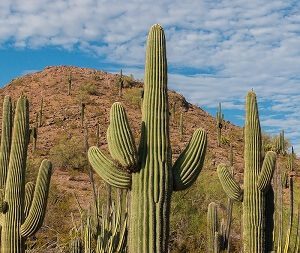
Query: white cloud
<point x="245" y="44"/>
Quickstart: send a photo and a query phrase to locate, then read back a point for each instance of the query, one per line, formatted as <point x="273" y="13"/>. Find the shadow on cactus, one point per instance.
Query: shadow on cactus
<point x="147" y="171"/>
<point x="23" y="206"/>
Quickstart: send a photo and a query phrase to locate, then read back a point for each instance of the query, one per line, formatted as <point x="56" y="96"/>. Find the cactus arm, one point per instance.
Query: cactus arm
<point x="106" y="169"/>
<point x="5" y="139"/>
<point x="232" y="189"/>
<point x="29" y="190"/>
<point x="189" y="164"/>
<point x="37" y="210"/>
<point x="120" y="139"/>
<point x="266" y="173"/>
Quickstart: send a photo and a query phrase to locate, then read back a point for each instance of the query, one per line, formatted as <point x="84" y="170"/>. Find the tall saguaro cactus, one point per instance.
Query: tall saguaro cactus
<point x="148" y="173"/>
<point x="257" y="179"/>
<point x="24" y="209"/>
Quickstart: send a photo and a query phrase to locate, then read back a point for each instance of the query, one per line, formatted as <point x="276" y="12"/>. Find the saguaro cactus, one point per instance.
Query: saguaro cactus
<point x="151" y="178"/>
<point x="69" y="83"/>
<point x="257" y="179"/>
<point x="213" y="244"/>
<point x="41" y="113"/>
<point x="181" y="126"/>
<point x="219" y="123"/>
<point x="82" y="108"/>
<point x="23" y="214"/>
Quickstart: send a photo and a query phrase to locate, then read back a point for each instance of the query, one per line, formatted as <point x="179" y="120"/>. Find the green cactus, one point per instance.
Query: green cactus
<point x="219" y="123"/>
<point x="112" y="233"/>
<point x="41" y="113"/>
<point x="257" y="179"/>
<point x="6" y="135"/>
<point x="82" y="109"/>
<point x="280" y="144"/>
<point x="297" y="240"/>
<point x="106" y="227"/>
<point x="151" y="179"/>
<point x="181" y="126"/>
<point x="69" y="83"/>
<point x="121" y="84"/>
<point x="278" y="239"/>
<point x="213" y="244"/>
<point x="23" y="209"/>
<point x="173" y="111"/>
<point x="34" y="134"/>
<point x="88" y="236"/>
<point x="98" y="133"/>
<point x="76" y="246"/>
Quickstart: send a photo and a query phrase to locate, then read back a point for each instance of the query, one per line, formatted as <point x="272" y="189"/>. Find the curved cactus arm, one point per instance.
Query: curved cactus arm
<point x="106" y="169"/>
<point x="37" y="210"/>
<point x="29" y="190"/>
<point x="120" y="139"/>
<point x="190" y="162"/>
<point x="232" y="189"/>
<point x="6" y="135"/>
<point x="266" y="173"/>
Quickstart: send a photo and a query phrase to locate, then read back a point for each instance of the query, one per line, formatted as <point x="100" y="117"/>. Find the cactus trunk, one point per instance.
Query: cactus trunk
<point x="254" y="198"/>
<point x="152" y="187"/>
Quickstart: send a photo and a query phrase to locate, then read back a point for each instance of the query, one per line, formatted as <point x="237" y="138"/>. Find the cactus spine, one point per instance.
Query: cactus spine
<point x="16" y="226"/>
<point x="219" y="122"/>
<point x="257" y="179"/>
<point x="152" y="179"/>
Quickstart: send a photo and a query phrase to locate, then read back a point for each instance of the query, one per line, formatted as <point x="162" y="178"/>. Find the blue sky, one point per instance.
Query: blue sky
<point x="217" y="50"/>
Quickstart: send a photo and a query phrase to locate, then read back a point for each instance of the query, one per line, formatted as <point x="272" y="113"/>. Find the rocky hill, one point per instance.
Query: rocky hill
<point x="61" y="122"/>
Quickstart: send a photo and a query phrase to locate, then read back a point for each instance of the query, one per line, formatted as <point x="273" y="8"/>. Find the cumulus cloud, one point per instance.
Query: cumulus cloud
<point x="230" y="46"/>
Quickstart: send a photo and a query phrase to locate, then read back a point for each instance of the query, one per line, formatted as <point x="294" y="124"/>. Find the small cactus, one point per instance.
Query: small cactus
<point x="41" y="113"/>
<point x="82" y="109"/>
<point x="212" y="228"/>
<point x="181" y="126"/>
<point x="69" y="83"/>
<point x="98" y="143"/>
<point x="76" y="246"/>
<point x="219" y="123"/>
<point x="121" y="84"/>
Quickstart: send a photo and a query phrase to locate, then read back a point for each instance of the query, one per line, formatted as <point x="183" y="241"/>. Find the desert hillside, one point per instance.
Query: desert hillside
<point x="62" y="125"/>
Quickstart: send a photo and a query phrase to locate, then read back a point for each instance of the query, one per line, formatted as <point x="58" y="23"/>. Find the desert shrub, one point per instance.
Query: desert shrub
<point x="225" y="140"/>
<point x="69" y="153"/>
<point x="134" y="96"/>
<point x="89" y="89"/>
